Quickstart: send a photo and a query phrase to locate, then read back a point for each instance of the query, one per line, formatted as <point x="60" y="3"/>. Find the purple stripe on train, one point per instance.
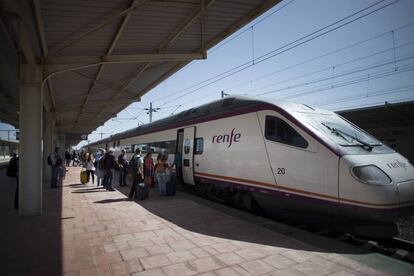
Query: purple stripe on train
<point x="342" y="207"/>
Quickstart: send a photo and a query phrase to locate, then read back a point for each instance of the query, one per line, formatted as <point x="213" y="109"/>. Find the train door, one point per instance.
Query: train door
<point x="301" y="168"/>
<point x="188" y="155"/>
<point x="180" y="135"/>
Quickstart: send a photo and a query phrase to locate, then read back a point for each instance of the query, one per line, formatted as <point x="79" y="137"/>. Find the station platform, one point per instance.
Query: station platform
<point x="86" y="230"/>
<point x="4" y="162"/>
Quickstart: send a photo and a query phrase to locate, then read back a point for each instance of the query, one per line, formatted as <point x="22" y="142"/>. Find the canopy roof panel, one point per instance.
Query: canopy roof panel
<point x="100" y="56"/>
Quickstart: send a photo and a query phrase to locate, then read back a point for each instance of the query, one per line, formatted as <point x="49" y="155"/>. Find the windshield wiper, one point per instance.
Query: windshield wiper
<point x="341" y="133"/>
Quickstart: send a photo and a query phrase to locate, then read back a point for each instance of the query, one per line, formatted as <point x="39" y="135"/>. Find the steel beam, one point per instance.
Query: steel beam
<point x="205" y="44"/>
<point x="101" y="25"/>
<point x="164" y="45"/>
<point x="170" y="39"/>
<point x="233" y="28"/>
<point x="58" y="65"/>
<point x="184" y="25"/>
<point x="43" y="44"/>
<point x="100" y="103"/>
<point x="107" y="85"/>
<point x="101" y="68"/>
<point x="108" y="59"/>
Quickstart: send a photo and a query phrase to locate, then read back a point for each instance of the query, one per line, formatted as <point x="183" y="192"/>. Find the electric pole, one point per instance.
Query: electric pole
<point x="224" y="94"/>
<point x="151" y="110"/>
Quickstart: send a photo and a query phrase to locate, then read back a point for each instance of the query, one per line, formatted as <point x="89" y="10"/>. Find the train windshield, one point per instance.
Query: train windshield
<point x="343" y="132"/>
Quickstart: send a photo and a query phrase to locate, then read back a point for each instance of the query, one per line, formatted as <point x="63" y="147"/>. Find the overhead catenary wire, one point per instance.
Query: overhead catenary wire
<point x="249" y="28"/>
<point x="342" y="108"/>
<point x="350" y="82"/>
<point x="218" y="46"/>
<point x="336" y="66"/>
<point x="319" y="57"/>
<point x="250" y="62"/>
<point x="316" y="58"/>
<point x="280" y="50"/>
<point x="394" y="90"/>
<point x="342" y="74"/>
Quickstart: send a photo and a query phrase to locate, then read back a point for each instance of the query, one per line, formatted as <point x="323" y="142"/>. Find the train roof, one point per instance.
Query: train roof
<point x="217" y="108"/>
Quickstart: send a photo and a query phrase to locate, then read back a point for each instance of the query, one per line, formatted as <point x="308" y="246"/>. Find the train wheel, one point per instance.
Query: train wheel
<point x="227" y="196"/>
<point x="248" y="201"/>
<point x="237" y="202"/>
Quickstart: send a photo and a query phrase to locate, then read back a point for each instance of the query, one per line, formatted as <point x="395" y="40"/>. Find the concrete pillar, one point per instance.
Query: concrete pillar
<point x="31" y="154"/>
<point x="48" y="147"/>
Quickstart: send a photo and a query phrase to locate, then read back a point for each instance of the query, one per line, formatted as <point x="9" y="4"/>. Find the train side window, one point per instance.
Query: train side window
<point x="187" y="146"/>
<point x="279" y="131"/>
<point x="199" y="146"/>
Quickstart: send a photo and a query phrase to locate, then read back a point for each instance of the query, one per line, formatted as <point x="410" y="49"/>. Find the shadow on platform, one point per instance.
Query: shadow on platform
<point x="214" y="219"/>
<point x="34" y="245"/>
<point x="30" y="245"/>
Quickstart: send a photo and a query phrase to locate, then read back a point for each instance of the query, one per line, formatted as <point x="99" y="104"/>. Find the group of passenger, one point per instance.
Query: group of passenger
<point x="144" y="170"/>
<point x="141" y="169"/>
<point x="103" y="165"/>
<point x="78" y="158"/>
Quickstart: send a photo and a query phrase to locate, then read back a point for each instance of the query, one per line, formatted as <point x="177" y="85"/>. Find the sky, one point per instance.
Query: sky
<point x="331" y="54"/>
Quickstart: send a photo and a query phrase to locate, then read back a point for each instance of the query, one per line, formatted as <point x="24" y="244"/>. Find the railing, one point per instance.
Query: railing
<point x="7" y="148"/>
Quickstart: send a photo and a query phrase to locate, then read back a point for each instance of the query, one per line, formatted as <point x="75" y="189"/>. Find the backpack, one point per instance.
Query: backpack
<point x="49" y="160"/>
<point x="134" y="163"/>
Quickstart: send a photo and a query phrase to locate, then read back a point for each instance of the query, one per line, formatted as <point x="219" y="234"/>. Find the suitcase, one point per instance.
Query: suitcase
<point x="83" y="177"/>
<point x="170" y="188"/>
<point x="142" y="191"/>
<point x="149" y="181"/>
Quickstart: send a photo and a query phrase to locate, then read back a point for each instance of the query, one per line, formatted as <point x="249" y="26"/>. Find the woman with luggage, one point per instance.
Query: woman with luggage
<point x="149" y="170"/>
<point x="162" y="173"/>
<point x="90" y="168"/>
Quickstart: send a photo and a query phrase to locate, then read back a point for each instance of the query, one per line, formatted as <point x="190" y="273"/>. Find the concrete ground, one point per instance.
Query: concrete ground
<point x="86" y="230"/>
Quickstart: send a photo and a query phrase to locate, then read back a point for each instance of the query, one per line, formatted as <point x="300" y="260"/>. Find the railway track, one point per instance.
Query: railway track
<point x="396" y="247"/>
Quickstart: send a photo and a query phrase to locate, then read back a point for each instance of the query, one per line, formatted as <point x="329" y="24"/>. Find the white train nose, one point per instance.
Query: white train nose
<point x="406" y="194"/>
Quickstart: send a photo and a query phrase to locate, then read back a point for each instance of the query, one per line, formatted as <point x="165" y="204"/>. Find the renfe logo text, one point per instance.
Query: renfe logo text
<point x="227" y="138"/>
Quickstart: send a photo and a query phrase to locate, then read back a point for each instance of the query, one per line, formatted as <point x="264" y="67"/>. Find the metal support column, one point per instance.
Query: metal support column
<point x="31" y="161"/>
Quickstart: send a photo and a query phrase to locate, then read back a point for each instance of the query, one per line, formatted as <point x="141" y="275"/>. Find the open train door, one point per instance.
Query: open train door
<point x="188" y="155"/>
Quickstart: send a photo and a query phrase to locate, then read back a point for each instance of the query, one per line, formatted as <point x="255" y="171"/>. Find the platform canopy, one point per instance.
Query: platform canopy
<point x="99" y="56"/>
<point x="387" y="115"/>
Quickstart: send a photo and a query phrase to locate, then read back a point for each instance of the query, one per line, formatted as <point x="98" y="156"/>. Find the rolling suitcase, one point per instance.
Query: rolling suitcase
<point x="83" y="177"/>
<point x="170" y="188"/>
<point x="142" y="191"/>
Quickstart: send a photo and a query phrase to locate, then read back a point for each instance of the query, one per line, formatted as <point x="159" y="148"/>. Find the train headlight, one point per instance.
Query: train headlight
<point x="371" y="174"/>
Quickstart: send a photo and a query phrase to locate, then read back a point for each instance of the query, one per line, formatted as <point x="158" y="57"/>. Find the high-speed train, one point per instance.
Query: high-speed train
<point x="289" y="159"/>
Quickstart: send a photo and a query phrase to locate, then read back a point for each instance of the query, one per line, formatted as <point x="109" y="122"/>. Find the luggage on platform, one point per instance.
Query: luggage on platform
<point x="149" y="181"/>
<point x="142" y="191"/>
<point x="83" y="177"/>
<point x="170" y="188"/>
